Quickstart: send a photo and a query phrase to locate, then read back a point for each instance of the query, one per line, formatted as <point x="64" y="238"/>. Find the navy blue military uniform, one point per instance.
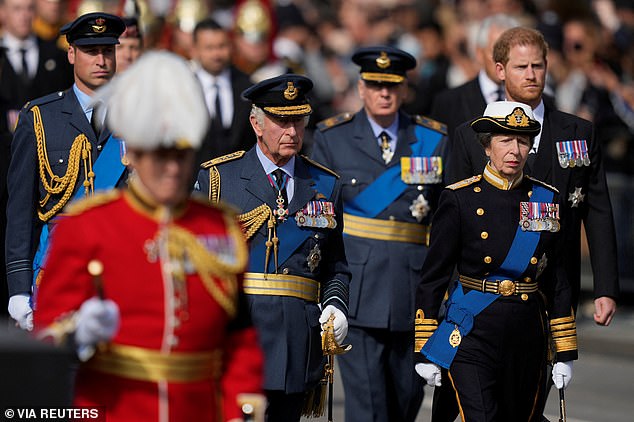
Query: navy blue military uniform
<point x="47" y="128"/>
<point x="385" y="251"/>
<point x="284" y="306"/>
<point x="498" y="367"/>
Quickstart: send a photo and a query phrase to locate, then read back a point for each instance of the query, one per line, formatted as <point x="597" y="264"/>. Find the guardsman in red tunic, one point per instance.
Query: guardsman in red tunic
<point x="151" y="295"/>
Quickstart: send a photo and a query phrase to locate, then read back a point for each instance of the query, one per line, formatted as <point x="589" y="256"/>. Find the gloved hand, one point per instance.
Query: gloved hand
<point x="430" y="372"/>
<point x="97" y="321"/>
<point x="562" y="374"/>
<point x="20" y="310"/>
<point x="340" y="324"/>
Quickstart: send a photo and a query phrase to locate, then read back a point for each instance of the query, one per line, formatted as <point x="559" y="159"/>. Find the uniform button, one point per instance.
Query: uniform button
<point x="530" y="193"/>
<point x="353" y="181"/>
<point x="477" y="189"/>
<point x="484" y="235"/>
<point x="528" y="279"/>
<point x="61" y="160"/>
<point x="60" y="93"/>
<point x="285" y="271"/>
<point x="487" y="260"/>
<point x="480" y="211"/>
<point x="524" y="297"/>
<point x="533" y="260"/>
<point x="419" y="187"/>
<point x="173" y="341"/>
<point x="316" y="235"/>
<point x="392" y="218"/>
<point x="99" y="147"/>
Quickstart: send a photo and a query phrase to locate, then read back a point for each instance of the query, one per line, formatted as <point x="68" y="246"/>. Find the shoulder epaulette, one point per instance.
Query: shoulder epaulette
<point x="44" y="100"/>
<point x="544" y="184"/>
<point x="431" y="124"/>
<point x="334" y="121"/>
<point x="94" y="201"/>
<point x="319" y="166"/>
<point x="223" y="159"/>
<point x="465" y="182"/>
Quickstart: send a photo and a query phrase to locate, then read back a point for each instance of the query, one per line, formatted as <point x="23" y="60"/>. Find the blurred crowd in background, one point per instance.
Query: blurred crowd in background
<point x="590" y="63"/>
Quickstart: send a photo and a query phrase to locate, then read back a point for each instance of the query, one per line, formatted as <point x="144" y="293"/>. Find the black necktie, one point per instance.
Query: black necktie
<point x="218" y="111"/>
<point x="94" y="122"/>
<point x="281" y="186"/>
<point x="500" y="93"/>
<point x="24" y="74"/>
<point x="385" y="147"/>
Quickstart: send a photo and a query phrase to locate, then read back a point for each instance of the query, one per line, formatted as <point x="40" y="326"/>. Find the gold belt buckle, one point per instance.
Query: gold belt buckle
<point x="506" y="287"/>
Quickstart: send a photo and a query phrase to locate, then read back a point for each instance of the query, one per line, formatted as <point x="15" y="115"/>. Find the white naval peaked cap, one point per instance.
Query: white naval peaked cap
<point x="156" y="103"/>
<point x="504" y="108"/>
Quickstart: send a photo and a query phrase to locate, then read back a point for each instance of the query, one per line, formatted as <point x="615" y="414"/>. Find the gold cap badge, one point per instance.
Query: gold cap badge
<point x="517" y="118"/>
<point x="383" y="61"/>
<point x="290" y="93"/>
<point x="99" y="26"/>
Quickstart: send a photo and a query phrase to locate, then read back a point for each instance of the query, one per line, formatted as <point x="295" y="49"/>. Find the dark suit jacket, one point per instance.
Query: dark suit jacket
<point x="595" y="211"/>
<point x="63" y="120"/>
<point x="54" y="73"/>
<point x="240" y="136"/>
<point x="458" y="105"/>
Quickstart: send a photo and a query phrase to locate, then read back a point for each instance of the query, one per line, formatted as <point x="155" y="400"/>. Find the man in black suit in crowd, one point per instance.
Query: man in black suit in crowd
<point x="222" y="85"/>
<point x="457" y="105"/>
<point x="31" y="67"/>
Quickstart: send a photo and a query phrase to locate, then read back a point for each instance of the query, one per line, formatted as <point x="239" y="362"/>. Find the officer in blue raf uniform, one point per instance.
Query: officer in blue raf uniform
<point x="292" y="215"/>
<point x="390" y="165"/>
<point x="57" y="155"/>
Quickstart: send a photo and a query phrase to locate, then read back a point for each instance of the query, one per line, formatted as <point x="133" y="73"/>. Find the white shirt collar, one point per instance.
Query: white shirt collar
<point x="14" y="44"/>
<point x="392" y="130"/>
<point x="538" y="113"/>
<point x="488" y="87"/>
<point x="270" y="167"/>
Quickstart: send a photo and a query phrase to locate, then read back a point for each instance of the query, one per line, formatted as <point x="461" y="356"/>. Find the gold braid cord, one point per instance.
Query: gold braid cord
<point x="214" y="185"/>
<point x="252" y="221"/>
<point x="54" y="184"/>
<point x="219" y="277"/>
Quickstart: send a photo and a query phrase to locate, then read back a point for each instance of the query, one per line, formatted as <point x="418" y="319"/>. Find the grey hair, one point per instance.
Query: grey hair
<point x="500" y="21"/>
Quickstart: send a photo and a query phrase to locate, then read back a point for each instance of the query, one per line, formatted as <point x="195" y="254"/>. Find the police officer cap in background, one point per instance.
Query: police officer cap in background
<point x="94" y="29"/>
<point x="282" y="96"/>
<point x="383" y="64"/>
<point x="507" y="117"/>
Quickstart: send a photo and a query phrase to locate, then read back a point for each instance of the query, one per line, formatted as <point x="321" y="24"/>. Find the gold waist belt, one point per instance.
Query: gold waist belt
<point x="499" y="287"/>
<point x="281" y="285"/>
<point x="395" y="231"/>
<point x="143" y="364"/>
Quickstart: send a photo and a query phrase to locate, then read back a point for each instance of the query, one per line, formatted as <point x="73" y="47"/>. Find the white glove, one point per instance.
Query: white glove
<point x="97" y="321"/>
<point x="562" y="374"/>
<point x="340" y="324"/>
<point x="430" y="372"/>
<point x="20" y="310"/>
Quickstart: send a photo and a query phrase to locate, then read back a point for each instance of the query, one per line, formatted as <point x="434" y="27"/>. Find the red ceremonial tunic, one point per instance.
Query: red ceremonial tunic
<point x="179" y="354"/>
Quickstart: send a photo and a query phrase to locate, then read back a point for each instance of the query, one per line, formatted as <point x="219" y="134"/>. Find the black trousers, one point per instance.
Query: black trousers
<point x="284" y="407"/>
<point x="498" y="372"/>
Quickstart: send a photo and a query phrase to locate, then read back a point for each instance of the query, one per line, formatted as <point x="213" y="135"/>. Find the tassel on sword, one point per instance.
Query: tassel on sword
<point x="314" y="405"/>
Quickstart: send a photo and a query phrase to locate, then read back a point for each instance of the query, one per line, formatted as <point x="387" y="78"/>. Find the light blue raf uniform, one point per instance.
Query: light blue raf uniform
<point x="387" y="214"/>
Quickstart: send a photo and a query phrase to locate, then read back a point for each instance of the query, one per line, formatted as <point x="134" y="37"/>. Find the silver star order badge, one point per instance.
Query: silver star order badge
<point x="419" y="208"/>
<point x="313" y="258"/>
<point x="541" y="265"/>
<point x="576" y="197"/>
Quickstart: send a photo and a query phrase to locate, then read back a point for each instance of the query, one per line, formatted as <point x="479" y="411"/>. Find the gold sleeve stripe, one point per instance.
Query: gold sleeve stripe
<point x="563" y="320"/>
<point x="423" y="329"/>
